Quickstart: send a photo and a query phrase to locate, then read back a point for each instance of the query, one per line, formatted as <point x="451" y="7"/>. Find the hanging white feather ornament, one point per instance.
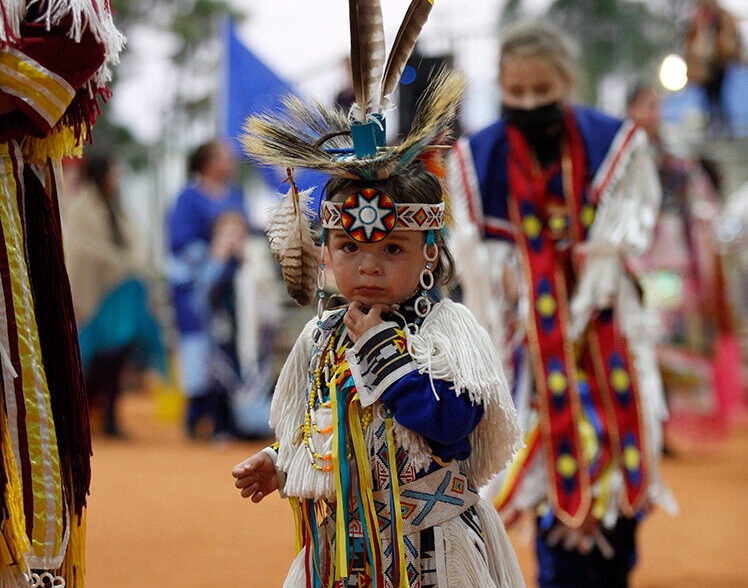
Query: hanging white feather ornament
<point x="292" y="243"/>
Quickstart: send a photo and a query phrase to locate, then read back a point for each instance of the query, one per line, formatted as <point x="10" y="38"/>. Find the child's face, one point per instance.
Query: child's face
<point x="385" y="272"/>
<point x="530" y="82"/>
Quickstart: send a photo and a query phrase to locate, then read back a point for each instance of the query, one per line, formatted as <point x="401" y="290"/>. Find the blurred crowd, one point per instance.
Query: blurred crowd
<point x="222" y="336"/>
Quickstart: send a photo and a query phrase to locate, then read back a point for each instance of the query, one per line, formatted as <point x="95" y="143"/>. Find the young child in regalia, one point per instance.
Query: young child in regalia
<point x="392" y="410"/>
<point x="548" y="202"/>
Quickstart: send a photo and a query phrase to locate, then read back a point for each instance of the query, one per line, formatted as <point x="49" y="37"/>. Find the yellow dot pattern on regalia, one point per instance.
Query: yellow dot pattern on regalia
<point x="588" y="438"/>
<point x="532" y="226"/>
<point x="631" y="458"/>
<point x="620" y="380"/>
<point x="557" y="382"/>
<point x="566" y="465"/>
<point x="546" y="305"/>
<point x="557" y="223"/>
<point x="587" y="216"/>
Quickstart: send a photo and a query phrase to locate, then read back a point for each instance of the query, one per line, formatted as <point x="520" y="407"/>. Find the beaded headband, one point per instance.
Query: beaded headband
<point x="370" y="215"/>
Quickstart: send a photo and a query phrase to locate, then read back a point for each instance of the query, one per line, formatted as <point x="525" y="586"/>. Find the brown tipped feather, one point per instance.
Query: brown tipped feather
<point x="292" y="244"/>
<point x="435" y="117"/>
<point x="405" y="41"/>
<point x="367" y="51"/>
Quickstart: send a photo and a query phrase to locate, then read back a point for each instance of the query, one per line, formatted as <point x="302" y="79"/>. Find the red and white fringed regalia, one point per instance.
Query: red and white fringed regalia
<point x="586" y="383"/>
<point x="55" y="59"/>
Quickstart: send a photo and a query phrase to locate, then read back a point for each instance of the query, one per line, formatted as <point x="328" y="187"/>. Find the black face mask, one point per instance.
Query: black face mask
<point x="542" y="126"/>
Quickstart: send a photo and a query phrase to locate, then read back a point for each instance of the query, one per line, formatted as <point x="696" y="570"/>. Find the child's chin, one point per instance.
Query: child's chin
<point x="369" y="301"/>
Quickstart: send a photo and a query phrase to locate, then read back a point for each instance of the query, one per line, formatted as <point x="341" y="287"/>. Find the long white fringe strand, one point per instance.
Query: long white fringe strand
<point x="502" y="559"/>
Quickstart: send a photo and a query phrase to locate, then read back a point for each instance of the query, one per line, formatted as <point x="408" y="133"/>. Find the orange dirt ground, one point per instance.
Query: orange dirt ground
<point x="163" y="512"/>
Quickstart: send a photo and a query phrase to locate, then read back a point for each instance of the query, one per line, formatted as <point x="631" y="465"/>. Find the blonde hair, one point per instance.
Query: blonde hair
<point x="538" y="38"/>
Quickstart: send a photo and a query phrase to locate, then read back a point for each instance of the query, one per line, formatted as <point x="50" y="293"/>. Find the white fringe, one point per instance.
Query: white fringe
<point x="13" y="577"/>
<point x="479" y="264"/>
<point x="637" y="330"/>
<point x="260" y="294"/>
<point x="296" y="577"/>
<point x="467" y="560"/>
<point x="487" y="563"/>
<point x="287" y="413"/>
<point x="87" y="14"/>
<point x="14" y="11"/>
<point x="624" y="223"/>
<point x="452" y="346"/>
<point x="627" y="211"/>
<point x="419" y="452"/>
<point x="502" y="560"/>
<point x="532" y="490"/>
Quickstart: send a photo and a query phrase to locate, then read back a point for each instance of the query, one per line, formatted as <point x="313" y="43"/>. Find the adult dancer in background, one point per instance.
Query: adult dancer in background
<point x="549" y="201"/>
<point x="204" y="252"/>
<point x="699" y="353"/>
<point x="106" y="272"/>
<point x="712" y="43"/>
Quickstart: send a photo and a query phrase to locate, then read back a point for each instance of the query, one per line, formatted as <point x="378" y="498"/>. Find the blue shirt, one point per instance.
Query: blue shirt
<point x="191" y="269"/>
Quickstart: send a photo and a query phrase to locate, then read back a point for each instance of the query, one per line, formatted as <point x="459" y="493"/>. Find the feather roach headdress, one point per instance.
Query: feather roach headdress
<point x="352" y="144"/>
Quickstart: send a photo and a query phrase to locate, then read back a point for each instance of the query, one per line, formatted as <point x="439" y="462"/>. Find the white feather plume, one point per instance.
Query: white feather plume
<point x="292" y="243"/>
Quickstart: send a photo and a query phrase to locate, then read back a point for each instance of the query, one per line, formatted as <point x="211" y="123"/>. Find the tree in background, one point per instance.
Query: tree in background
<point x="189" y="113"/>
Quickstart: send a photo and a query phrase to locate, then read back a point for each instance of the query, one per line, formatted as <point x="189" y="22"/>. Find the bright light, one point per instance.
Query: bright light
<point x="673" y="72"/>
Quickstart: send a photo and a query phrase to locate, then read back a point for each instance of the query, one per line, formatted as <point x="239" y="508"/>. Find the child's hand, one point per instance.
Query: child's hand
<point x="357" y="322"/>
<point x="256" y="476"/>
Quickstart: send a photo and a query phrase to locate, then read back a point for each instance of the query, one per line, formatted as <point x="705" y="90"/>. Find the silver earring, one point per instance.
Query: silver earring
<point x="426" y="279"/>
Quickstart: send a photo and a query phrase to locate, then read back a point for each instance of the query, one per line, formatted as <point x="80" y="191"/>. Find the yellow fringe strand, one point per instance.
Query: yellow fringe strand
<point x="341" y="532"/>
<point x="73" y="567"/>
<point x="298" y="523"/>
<point x="365" y="482"/>
<point x="60" y="142"/>
<point x="397" y="511"/>
<point x="14" y="526"/>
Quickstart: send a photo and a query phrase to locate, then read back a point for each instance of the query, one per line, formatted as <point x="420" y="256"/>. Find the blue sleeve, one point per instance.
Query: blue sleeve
<point x="185" y="222"/>
<point x="384" y="370"/>
<point x="445" y="423"/>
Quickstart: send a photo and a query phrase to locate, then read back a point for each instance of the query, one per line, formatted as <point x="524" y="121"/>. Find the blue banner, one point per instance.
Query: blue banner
<point x="251" y="87"/>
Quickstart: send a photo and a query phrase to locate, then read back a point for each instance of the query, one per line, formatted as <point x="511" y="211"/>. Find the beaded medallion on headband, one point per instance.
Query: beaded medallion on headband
<point x="370" y="215"/>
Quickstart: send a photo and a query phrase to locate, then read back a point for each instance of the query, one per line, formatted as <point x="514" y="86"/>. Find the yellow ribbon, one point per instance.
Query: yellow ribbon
<point x="397" y="511"/>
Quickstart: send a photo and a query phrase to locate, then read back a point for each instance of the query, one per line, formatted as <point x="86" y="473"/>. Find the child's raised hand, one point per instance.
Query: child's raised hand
<point x="358" y="322"/>
<point x="256" y="476"/>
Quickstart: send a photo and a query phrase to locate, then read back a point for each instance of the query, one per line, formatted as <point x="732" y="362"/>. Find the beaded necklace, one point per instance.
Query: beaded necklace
<point x="325" y="364"/>
<point x="318" y="461"/>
